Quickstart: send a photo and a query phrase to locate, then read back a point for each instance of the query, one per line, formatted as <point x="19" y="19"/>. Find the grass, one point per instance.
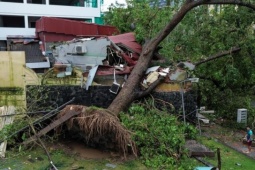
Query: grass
<point x="36" y="159"/>
<point x="230" y="159"/>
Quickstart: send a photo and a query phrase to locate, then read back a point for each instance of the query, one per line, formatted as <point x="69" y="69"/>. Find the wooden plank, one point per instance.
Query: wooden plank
<point x="51" y="126"/>
<point x="198" y="150"/>
<point x="201" y="154"/>
<point x="207" y="111"/>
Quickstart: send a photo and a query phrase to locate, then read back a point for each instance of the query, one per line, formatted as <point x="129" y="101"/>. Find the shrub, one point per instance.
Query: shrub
<point x="158" y="135"/>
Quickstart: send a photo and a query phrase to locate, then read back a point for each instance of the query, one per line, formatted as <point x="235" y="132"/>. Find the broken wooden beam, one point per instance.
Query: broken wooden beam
<point x="198" y="150"/>
<point x="202" y="154"/>
<point x="47" y="116"/>
<point x="51" y="126"/>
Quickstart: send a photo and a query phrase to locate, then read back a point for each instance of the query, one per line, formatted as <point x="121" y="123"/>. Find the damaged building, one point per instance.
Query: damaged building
<point x="91" y="63"/>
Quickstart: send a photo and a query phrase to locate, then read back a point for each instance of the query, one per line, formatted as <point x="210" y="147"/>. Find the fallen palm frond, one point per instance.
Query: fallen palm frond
<point x="96" y="122"/>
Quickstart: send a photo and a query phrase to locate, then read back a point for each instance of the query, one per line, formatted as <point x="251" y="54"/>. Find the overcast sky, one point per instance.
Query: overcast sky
<point x="108" y="2"/>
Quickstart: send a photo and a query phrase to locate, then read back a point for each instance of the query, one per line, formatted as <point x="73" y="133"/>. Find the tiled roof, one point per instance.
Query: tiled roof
<point x="32" y="51"/>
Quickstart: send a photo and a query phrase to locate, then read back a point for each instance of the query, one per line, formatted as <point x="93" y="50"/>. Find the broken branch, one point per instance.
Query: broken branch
<point x="218" y="55"/>
<point x="42" y="144"/>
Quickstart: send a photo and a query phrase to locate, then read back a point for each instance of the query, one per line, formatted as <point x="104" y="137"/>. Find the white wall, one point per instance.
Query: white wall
<point x="4" y="32"/>
<point x="48" y="10"/>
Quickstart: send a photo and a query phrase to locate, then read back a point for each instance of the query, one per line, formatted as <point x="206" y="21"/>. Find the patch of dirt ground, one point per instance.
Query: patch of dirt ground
<point x="78" y="148"/>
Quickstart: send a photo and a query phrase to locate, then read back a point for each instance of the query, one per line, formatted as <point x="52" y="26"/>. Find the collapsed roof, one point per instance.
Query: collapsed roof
<point x="120" y="51"/>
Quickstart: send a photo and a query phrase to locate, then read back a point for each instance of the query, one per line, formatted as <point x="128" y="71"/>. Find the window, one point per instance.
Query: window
<point x="36" y="1"/>
<point x="17" y="1"/>
<point x="90" y="3"/>
<point x="12" y="21"/>
<point x="32" y="21"/>
<point x="3" y="46"/>
<point x="80" y="3"/>
<point x="67" y="2"/>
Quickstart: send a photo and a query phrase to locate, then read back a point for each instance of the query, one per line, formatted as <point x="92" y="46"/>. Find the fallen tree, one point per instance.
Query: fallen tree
<point x="129" y="92"/>
<point x="99" y="122"/>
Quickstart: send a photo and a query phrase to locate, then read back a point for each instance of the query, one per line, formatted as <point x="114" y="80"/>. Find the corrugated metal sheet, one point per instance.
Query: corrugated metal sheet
<point x="53" y="37"/>
<point x="71" y="27"/>
<point x="128" y="40"/>
<point x="107" y="30"/>
<point x="89" y="29"/>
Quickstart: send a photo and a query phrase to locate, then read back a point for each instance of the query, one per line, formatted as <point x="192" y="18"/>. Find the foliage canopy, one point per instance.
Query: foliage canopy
<point x="226" y="84"/>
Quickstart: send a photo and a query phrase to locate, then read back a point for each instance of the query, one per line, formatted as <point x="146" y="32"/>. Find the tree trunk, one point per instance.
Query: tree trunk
<point x="130" y="90"/>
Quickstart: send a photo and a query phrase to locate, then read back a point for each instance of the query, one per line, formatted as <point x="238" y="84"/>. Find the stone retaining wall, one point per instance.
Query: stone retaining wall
<point x="100" y="96"/>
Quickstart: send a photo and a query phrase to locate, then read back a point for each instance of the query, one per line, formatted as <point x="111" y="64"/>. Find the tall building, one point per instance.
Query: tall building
<point x="18" y="17"/>
<point x="162" y="3"/>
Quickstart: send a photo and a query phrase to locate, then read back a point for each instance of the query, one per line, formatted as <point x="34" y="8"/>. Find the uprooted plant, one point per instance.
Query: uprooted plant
<point x="154" y="135"/>
<point x="95" y="123"/>
<point x="159" y="135"/>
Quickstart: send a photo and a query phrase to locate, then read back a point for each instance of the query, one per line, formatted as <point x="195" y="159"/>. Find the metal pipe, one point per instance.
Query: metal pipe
<point x="199" y="126"/>
<point x="183" y="105"/>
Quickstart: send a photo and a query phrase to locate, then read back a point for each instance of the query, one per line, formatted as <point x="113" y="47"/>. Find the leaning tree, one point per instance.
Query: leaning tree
<point x="98" y="122"/>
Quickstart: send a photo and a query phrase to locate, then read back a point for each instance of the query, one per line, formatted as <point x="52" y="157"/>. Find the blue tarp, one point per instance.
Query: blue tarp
<point x="203" y="168"/>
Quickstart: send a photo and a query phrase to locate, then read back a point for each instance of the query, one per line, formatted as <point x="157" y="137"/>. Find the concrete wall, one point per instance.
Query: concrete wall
<point x="13" y="77"/>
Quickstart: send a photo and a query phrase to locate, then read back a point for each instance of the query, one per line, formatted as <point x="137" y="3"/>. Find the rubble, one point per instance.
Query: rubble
<point x="91" y="48"/>
<point x="111" y="56"/>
